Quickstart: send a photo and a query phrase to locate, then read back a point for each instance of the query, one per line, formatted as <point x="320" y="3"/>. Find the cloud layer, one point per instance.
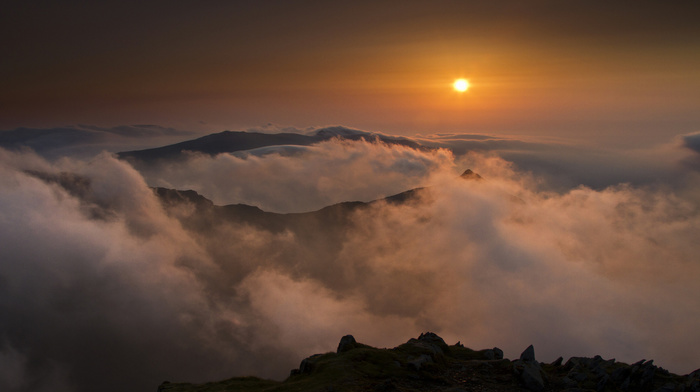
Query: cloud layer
<point x="88" y="140"/>
<point x="101" y="286"/>
<point x="308" y="179"/>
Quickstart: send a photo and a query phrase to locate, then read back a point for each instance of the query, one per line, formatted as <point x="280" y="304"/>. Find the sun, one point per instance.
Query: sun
<point x="461" y="85"/>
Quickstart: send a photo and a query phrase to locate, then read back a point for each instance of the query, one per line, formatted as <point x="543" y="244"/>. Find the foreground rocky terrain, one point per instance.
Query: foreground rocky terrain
<point x="429" y="364"/>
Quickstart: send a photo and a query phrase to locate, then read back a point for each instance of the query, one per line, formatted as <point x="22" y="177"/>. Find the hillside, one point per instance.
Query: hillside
<point x="229" y="142"/>
<point x="429" y="364"/>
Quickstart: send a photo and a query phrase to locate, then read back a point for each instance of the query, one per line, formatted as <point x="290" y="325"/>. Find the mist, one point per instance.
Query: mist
<point x="103" y="286"/>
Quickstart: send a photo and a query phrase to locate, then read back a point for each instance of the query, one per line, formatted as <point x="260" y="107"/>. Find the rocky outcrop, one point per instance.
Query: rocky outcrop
<point x="347" y="342"/>
<point x="427" y="363"/>
<point x="529" y="371"/>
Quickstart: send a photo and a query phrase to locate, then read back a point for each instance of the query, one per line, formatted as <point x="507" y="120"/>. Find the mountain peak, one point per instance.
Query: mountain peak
<point x="470" y="175"/>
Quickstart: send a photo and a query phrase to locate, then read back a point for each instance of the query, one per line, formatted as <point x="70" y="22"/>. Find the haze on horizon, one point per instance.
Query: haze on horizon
<point x="581" y="240"/>
<point x="599" y="73"/>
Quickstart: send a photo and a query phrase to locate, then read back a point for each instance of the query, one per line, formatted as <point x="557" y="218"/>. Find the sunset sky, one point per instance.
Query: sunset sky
<point x="582" y="117"/>
<point x="608" y="72"/>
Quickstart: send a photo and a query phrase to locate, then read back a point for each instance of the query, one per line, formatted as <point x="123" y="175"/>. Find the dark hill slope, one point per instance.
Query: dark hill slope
<point x="429" y="364"/>
<point x="227" y="142"/>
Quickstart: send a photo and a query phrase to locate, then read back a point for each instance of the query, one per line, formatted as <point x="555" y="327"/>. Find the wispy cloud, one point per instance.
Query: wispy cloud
<point x="88" y="140"/>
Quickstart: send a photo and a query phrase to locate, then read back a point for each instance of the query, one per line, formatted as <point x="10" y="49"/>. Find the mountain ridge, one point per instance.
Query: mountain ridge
<point x="429" y="364"/>
<point x="236" y="141"/>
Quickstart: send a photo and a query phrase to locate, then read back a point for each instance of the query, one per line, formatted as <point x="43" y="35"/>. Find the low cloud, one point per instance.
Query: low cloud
<point x="86" y="141"/>
<point x="691" y="142"/>
<point x="311" y="178"/>
<point x="102" y="287"/>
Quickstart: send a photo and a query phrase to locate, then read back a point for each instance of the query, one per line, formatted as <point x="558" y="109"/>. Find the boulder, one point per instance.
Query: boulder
<point x="498" y="353"/>
<point x="347" y="342"/>
<point x="531" y="377"/>
<point x="493" y="353"/>
<point x="528" y="355"/>
<point x="529" y="371"/>
<point x="433" y="339"/>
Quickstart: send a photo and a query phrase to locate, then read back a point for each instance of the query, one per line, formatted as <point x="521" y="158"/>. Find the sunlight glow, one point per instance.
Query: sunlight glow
<point x="461" y="85"/>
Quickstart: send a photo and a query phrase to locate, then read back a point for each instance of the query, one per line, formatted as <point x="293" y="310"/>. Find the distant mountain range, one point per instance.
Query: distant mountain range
<point x="229" y="142"/>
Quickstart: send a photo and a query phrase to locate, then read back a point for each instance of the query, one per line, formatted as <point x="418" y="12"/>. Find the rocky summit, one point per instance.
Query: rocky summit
<point x="429" y="364"/>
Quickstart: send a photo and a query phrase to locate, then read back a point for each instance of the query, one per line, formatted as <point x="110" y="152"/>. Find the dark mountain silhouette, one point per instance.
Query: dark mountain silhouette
<point x="228" y="141"/>
<point x="318" y="236"/>
<point x="326" y="222"/>
<point x="429" y="364"/>
<point x="470" y="175"/>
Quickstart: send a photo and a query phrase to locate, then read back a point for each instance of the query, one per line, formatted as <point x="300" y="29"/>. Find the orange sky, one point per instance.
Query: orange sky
<point x="577" y="70"/>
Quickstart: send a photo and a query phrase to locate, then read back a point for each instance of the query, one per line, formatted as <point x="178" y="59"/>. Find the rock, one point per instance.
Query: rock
<point x="307" y="365"/>
<point x="619" y="375"/>
<point x="648" y="371"/>
<point x="528" y="355"/>
<point x="693" y="386"/>
<point x="493" y="354"/>
<point x="498" y="353"/>
<point x="531" y="377"/>
<point x="568" y="383"/>
<point x="669" y="387"/>
<point x="692" y="383"/>
<point x="557" y="362"/>
<point x="432" y="338"/>
<point x="347" y="342"/>
<point x="602" y="382"/>
<point x="432" y="343"/>
<point x="577" y="374"/>
<point x="418" y="363"/>
<point x="529" y="371"/>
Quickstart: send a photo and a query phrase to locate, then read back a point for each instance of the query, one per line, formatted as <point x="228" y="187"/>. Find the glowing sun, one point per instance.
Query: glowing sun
<point x="461" y="85"/>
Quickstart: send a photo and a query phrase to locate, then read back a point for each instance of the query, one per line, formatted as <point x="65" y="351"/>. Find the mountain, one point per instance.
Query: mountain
<point x="228" y="142"/>
<point x="327" y="222"/>
<point x="429" y="364"/>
